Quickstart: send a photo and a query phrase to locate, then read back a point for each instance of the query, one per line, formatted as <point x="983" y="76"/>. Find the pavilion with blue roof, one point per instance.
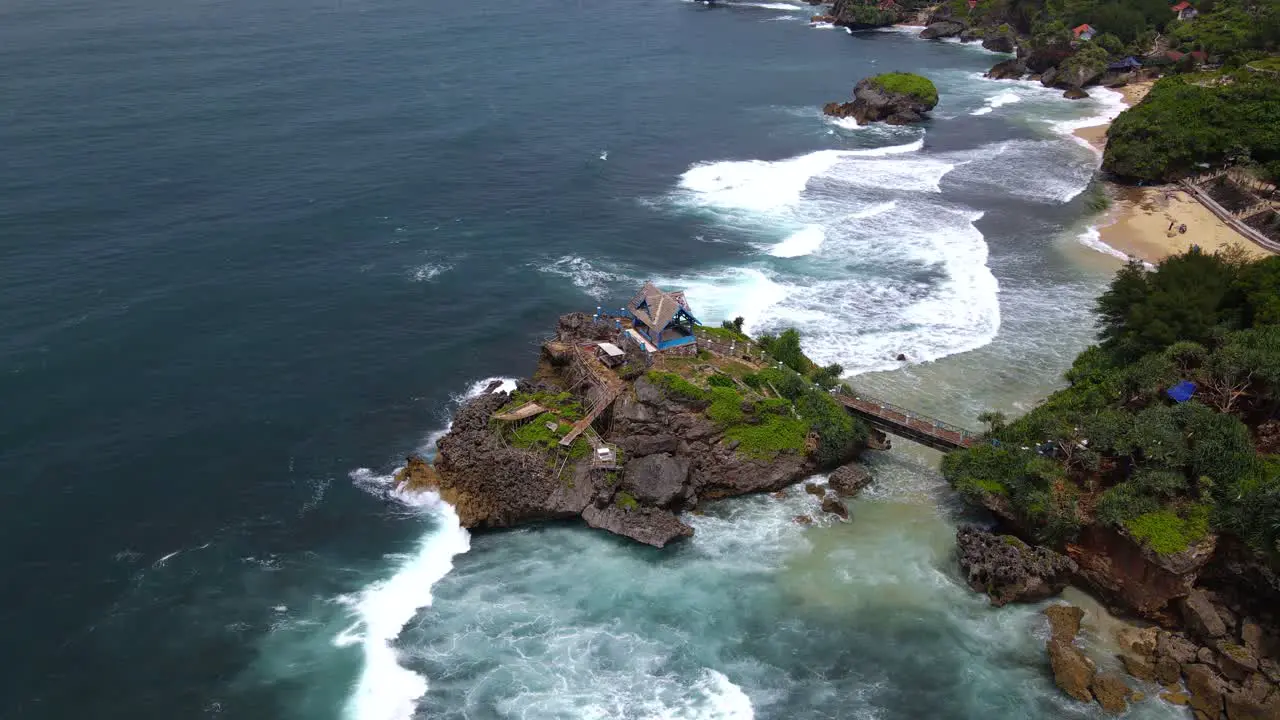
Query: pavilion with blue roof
<point x="663" y="319"/>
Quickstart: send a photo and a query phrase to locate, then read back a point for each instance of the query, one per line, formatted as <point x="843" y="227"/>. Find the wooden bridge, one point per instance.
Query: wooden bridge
<point x="908" y="424"/>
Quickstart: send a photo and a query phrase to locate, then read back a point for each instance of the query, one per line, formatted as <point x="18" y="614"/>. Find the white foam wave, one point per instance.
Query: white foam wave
<point x="590" y="279"/>
<point x="428" y="271"/>
<point x="770" y="6"/>
<point x="1109" y="104"/>
<point x="1092" y="239"/>
<point x="715" y="698"/>
<point x="822" y="26"/>
<point x="1041" y="170"/>
<point x="998" y="100"/>
<point x="802" y="242"/>
<point x="385" y="689"/>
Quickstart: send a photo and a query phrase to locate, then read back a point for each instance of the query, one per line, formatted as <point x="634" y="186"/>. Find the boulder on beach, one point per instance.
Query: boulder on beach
<point x="848" y="480"/>
<point x="1011" y="69"/>
<point x="1075" y="93"/>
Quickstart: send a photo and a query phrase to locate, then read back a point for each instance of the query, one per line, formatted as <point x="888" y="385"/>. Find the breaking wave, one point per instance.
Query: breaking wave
<point x="583" y="274"/>
<point x="883" y="265"/>
<point x="386" y="690"/>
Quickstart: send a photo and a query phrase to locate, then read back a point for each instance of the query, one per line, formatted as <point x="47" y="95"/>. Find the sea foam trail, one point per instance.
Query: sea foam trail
<point x="385" y="690"/>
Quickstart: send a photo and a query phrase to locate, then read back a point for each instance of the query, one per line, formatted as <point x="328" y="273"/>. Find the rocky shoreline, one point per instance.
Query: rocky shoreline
<point x="671" y="452"/>
<point x="1214" y="641"/>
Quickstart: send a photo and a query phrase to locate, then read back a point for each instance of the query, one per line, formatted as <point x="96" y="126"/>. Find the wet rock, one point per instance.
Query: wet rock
<point x="1252" y="636"/>
<point x="1064" y="621"/>
<point x="1001" y="42"/>
<point x="650" y="526"/>
<point x="1009" y="570"/>
<point x="658" y="480"/>
<point x="780" y="495"/>
<point x="1235" y="661"/>
<point x="1205" y="689"/>
<point x="1049" y="77"/>
<point x="1139" y="666"/>
<point x="815" y="489"/>
<point x="1201" y="616"/>
<point x="1175" y="647"/>
<point x="1011" y="69"/>
<point x="417" y="475"/>
<point x="873" y="103"/>
<point x="1075" y="93"/>
<point x="802" y="520"/>
<point x="638" y="446"/>
<point x="1072" y="671"/>
<point x="1168" y="671"/>
<point x="1137" y="696"/>
<point x="849" y="480"/>
<point x="942" y="29"/>
<point x="972" y="34"/>
<point x="1175" y="697"/>
<point x="823" y="19"/>
<point x="1142" y="641"/>
<point x="1111" y="692"/>
<point x="1256" y="699"/>
<point x="834" y="505"/>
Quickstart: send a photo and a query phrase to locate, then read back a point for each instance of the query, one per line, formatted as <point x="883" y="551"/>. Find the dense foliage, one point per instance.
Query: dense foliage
<point x="916" y="86"/>
<point x="1164" y="472"/>
<point x="777" y="409"/>
<point x="1183" y="123"/>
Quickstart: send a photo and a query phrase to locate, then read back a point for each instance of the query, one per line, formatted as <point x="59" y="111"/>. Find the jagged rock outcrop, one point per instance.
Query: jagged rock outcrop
<point x="1011" y="69"/>
<point x="1009" y="570"/>
<point x="943" y="29"/>
<point x="672" y="456"/>
<point x="650" y="526"/>
<point x="493" y="485"/>
<point x="1075" y="93"/>
<point x="1072" y="670"/>
<point x="872" y="102"/>
<point x="1040" y="59"/>
<point x="849" y="480"/>
<point x="856" y="15"/>
<point x="1001" y="41"/>
<point x="1111" y="692"/>
<point x="1131" y="576"/>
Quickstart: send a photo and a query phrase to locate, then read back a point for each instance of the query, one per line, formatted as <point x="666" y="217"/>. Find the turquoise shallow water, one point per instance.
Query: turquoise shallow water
<point x="248" y="250"/>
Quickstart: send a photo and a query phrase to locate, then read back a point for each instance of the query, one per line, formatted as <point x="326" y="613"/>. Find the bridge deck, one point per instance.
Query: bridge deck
<point x="908" y="424"/>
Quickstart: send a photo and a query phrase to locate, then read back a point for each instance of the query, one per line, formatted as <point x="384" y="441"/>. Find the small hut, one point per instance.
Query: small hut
<point x="1084" y="32"/>
<point x="662" y="319"/>
<point x="611" y="355"/>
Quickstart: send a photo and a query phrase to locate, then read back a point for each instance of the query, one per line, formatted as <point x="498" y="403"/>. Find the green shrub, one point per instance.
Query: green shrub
<point x="752" y="380"/>
<point x="726" y="406"/>
<point x="1167" y="532"/>
<point x="626" y="502"/>
<point x="918" y="87"/>
<point x="718" y="380"/>
<point x="773" y="435"/>
<point x="677" y="386"/>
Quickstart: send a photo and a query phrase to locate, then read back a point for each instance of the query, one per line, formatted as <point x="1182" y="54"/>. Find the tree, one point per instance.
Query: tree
<point x="993" y="419"/>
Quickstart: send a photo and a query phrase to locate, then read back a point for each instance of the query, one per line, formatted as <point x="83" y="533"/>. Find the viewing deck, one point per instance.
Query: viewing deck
<point x="908" y="424"/>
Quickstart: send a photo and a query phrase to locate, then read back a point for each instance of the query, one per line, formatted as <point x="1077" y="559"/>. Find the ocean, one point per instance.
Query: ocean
<point x="252" y="254"/>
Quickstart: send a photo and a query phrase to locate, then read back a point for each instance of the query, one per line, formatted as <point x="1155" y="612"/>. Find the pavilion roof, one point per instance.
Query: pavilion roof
<point x="660" y="307"/>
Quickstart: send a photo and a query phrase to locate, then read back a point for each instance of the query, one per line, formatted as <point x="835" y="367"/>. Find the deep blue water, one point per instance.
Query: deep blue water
<point x="249" y="247"/>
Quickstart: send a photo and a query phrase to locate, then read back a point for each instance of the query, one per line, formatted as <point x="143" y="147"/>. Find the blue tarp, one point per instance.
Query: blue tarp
<point x="1128" y="63"/>
<point x="1182" y="392"/>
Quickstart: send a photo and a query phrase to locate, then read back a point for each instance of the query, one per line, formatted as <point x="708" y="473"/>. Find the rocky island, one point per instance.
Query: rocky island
<point x="895" y="98"/>
<point x="631" y="419"/>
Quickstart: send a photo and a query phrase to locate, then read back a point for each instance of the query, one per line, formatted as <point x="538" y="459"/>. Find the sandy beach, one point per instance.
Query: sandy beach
<point x="1145" y="222"/>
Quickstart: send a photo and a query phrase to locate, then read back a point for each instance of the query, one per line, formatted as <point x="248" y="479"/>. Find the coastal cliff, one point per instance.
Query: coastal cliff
<point x="678" y="430"/>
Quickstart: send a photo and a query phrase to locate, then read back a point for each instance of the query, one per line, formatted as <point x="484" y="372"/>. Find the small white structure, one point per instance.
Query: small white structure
<point x="611" y="355"/>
